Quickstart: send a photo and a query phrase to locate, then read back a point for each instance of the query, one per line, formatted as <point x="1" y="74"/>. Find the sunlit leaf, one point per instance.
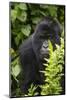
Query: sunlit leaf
<point x="16" y="70"/>
<point x="22" y="16"/>
<point x="26" y="30"/>
<point x="13" y="15"/>
<point x="35" y="20"/>
<point x="50" y="47"/>
<point x="23" y="6"/>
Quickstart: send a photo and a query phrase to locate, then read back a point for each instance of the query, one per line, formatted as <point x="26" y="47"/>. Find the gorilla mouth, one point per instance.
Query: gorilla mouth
<point x="43" y="55"/>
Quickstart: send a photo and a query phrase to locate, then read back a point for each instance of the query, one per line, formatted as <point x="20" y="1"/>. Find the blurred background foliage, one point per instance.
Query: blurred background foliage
<point x="23" y="18"/>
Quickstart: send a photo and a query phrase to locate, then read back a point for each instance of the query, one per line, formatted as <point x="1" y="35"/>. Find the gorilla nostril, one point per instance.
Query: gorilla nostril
<point x="45" y="46"/>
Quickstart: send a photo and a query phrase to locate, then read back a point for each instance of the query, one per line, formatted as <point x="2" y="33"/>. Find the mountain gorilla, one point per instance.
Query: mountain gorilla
<point x="35" y="49"/>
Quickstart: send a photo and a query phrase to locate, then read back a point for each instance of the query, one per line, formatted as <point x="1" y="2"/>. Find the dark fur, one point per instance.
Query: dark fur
<point x="35" y="48"/>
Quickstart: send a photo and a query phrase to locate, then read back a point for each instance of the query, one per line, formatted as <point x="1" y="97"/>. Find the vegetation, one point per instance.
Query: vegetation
<point x="53" y="70"/>
<point x="23" y="19"/>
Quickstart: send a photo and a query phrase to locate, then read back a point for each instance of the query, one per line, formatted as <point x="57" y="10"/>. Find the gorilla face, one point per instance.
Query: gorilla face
<point x="48" y="29"/>
<point x="44" y="51"/>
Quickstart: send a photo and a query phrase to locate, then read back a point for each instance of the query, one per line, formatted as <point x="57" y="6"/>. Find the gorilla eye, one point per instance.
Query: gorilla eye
<point x="52" y="35"/>
<point x="42" y="36"/>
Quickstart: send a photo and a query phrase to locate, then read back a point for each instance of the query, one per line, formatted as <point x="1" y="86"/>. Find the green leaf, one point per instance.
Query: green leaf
<point x="22" y="16"/>
<point x="32" y="90"/>
<point x="17" y="39"/>
<point x="35" y="20"/>
<point x="12" y="52"/>
<point x="50" y="46"/>
<point x="52" y="11"/>
<point x="44" y="6"/>
<point x="35" y="12"/>
<point x="46" y="60"/>
<point x="45" y="64"/>
<point x="26" y="29"/>
<point x="16" y="70"/>
<point x="54" y="71"/>
<point x="57" y="46"/>
<point x="22" y="6"/>
<point x="13" y="15"/>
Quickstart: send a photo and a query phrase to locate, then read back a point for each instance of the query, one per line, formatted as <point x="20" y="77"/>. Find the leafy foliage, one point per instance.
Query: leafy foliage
<point x="31" y="91"/>
<point x="24" y="17"/>
<point x="53" y="70"/>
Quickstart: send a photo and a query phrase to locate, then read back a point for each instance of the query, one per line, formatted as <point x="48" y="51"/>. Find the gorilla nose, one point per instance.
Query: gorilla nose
<point x="45" y="44"/>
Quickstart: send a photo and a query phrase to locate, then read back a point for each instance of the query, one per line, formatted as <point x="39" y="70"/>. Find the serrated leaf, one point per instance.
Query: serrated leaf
<point x="42" y="71"/>
<point x="50" y="46"/>
<point x="46" y="60"/>
<point x="62" y="41"/>
<point x="57" y="46"/>
<point x="60" y="67"/>
<point x="45" y="64"/>
<point x="26" y="29"/>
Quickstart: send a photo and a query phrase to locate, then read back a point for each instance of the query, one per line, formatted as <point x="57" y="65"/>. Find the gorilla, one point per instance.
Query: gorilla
<point x="34" y="49"/>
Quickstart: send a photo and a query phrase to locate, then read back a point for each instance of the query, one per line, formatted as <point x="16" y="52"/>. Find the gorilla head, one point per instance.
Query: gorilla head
<point x="47" y="29"/>
<point x="35" y="48"/>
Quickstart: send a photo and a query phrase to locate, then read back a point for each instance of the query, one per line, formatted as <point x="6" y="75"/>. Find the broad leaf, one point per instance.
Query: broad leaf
<point x="16" y="70"/>
<point x="23" y="6"/>
<point x="26" y="30"/>
<point x="35" y="20"/>
<point x="13" y="15"/>
<point x="22" y="16"/>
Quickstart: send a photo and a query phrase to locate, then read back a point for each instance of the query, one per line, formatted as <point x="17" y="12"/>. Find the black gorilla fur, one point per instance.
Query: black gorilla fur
<point x="35" y="48"/>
